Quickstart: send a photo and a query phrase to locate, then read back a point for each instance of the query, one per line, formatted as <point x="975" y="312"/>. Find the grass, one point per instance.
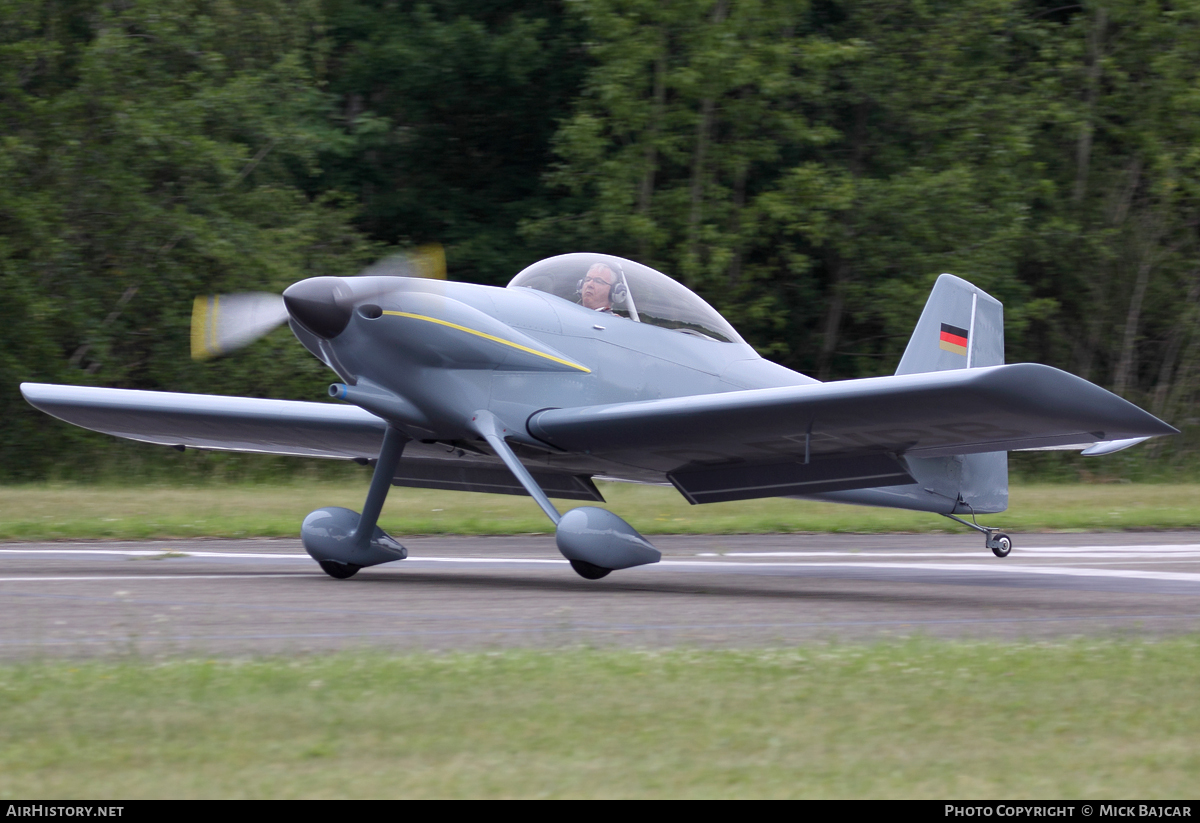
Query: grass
<point x="920" y="718"/>
<point x="917" y="718"/>
<point x="67" y="511"/>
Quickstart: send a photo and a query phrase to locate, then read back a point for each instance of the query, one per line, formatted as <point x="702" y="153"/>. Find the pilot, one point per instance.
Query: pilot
<point x="595" y="291"/>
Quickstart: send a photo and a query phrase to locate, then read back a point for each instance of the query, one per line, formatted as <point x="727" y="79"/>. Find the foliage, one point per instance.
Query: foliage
<point x="446" y="112"/>
<point x="808" y="166"/>
<point x="150" y="151"/>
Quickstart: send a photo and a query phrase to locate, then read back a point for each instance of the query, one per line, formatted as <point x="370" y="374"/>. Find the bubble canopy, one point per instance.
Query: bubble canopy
<point x="638" y="293"/>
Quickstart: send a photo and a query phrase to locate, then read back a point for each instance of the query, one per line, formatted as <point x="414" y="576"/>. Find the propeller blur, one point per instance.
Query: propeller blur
<point x="224" y="323"/>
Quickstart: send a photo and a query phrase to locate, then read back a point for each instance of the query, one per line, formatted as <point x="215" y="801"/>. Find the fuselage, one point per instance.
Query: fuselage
<point x="429" y="355"/>
<point x="449" y="349"/>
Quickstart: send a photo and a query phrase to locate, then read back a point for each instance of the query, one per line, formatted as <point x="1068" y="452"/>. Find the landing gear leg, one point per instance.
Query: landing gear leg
<point x="343" y="541"/>
<point x="594" y="540"/>
<point x="996" y="540"/>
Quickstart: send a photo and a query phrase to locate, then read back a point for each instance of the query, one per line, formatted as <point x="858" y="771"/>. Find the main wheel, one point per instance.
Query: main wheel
<point x="589" y="571"/>
<point x="1001" y="545"/>
<point x="339" y="570"/>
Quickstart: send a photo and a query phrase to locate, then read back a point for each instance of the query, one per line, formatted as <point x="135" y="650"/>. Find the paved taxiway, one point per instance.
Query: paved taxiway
<point x="230" y="597"/>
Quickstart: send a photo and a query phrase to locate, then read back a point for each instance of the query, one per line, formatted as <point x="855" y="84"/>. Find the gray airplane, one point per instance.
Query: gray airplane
<point x="589" y="366"/>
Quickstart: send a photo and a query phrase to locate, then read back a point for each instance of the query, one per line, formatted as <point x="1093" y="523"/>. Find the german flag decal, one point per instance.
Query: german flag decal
<point x="953" y="339"/>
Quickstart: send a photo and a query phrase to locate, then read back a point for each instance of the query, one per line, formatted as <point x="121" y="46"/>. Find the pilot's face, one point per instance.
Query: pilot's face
<point x="597" y="288"/>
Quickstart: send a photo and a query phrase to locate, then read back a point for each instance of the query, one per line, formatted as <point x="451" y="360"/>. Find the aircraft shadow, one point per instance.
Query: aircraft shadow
<point x="939" y="595"/>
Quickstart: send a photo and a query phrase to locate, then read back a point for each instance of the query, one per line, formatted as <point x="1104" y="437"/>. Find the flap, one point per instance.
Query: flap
<point x="748" y="481"/>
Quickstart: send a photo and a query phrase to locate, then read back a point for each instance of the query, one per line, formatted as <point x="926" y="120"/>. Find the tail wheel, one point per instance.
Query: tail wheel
<point x="1001" y="545"/>
<point x="341" y="571"/>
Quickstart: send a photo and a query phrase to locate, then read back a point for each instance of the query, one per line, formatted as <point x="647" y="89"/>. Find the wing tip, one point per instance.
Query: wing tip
<point x="35" y="392"/>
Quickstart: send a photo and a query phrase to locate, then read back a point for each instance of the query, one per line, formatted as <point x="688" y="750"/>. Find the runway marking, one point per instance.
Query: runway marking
<point x="999" y="568"/>
<point x="86" y="578"/>
<point x="170" y="554"/>
<point x="1185" y="555"/>
<point x="1172" y="550"/>
<point x="1147" y="547"/>
<point x="164" y="553"/>
<point x="1182" y="551"/>
<point x="731" y="562"/>
<point x="700" y="565"/>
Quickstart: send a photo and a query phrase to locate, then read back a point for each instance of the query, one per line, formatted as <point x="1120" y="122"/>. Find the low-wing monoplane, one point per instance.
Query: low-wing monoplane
<point x="589" y="366"/>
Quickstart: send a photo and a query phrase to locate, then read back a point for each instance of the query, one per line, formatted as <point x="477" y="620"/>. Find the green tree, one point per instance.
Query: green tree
<point x="688" y="117"/>
<point x="810" y="169"/>
<point x="446" y="112"/>
<point x="1115" y="238"/>
<point x="150" y="152"/>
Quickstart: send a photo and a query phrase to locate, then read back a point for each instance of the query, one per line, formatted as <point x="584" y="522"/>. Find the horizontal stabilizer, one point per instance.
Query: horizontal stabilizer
<point x="1111" y="446"/>
<point x="1092" y="448"/>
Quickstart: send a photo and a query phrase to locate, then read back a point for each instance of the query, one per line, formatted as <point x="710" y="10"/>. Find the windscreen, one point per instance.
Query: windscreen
<point x="612" y="284"/>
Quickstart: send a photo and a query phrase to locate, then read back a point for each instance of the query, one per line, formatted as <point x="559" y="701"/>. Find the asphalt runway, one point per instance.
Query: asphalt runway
<point x="251" y="597"/>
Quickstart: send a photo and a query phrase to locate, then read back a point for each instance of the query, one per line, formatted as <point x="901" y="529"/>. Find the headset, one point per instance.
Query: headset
<point x="617" y="292"/>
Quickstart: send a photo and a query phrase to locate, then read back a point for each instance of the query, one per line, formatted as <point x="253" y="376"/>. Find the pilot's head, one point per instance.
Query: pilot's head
<point x="596" y="292"/>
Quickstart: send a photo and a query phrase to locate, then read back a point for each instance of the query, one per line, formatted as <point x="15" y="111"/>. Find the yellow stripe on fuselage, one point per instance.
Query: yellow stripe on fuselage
<point x="491" y="337"/>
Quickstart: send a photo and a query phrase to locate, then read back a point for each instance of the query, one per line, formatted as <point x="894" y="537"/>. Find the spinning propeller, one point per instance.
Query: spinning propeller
<point x="222" y="323"/>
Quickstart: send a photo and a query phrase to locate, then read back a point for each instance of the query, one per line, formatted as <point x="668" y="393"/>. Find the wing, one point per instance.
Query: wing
<point x="206" y="421"/>
<point x="934" y="414"/>
<point x="288" y="427"/>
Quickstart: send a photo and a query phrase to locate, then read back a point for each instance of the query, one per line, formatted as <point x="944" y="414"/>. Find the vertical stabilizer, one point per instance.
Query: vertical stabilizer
<point x="962" y="327"/>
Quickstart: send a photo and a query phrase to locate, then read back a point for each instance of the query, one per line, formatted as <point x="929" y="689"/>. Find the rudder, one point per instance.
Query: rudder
<point x="961" y="327"/>
<point x="956" y="310"/>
